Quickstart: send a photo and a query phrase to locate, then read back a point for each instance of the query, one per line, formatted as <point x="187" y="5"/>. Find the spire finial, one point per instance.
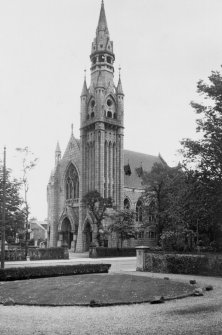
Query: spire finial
<point x="119" y="70"/>
<point x="72" y="129"/>
<point x="84" y="74"/>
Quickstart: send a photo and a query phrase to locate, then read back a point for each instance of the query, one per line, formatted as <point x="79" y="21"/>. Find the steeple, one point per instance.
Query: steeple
<point x="102" y="56"/>
<point x="57" y="153"/>
<point x="102" y="24"/>
<point x="102" y="116"/>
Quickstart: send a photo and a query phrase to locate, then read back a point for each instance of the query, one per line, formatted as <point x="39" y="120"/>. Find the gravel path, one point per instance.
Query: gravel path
<point x="199" y="315"/>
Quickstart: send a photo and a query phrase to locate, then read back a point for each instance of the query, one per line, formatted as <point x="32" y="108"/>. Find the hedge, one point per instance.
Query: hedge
<point x="199" y="264"/>
<point x="51" y="271"/>
<point x="100" y="252"/>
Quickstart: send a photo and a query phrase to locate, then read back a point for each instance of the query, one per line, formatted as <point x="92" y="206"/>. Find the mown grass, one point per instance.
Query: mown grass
<point x="81" y="289"/>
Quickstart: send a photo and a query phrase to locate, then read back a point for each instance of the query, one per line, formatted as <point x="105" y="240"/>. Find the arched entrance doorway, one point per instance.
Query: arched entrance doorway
<point x="88" y="236"/>
<point x="67" y="235"/>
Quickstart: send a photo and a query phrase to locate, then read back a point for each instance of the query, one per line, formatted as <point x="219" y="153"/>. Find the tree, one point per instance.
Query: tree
<point x="206" y="152"/>
<point x="13" y="214"/>
<point x="204" y="156"/>
<point x="97" y="206"/>
<point x="123" y="225"/>
<point x="28" y="163"/>
<point x="160" y="198"/>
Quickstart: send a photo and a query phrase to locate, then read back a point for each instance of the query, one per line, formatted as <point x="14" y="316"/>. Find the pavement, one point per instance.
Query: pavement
<point x="192" y="315"/>
<point x="117" y="264"/>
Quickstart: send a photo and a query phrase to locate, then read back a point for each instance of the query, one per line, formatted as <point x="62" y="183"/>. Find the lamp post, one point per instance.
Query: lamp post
<point x="3" y="214"/>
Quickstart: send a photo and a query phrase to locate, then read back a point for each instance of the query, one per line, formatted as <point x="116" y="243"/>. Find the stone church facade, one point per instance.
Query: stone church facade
<point x="98" y="160"/>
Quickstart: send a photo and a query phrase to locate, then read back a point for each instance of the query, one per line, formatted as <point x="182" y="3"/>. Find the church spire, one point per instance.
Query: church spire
<point x="102" y="56"/>
<point x="102" y="24"/>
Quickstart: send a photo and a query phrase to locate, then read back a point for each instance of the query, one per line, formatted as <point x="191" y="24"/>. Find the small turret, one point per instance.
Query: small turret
<point x="120" y="98"/>
<point x="57" y="154"/>
<point x="119" y="89"/>
<point x="84" y="88"/>
<point x="83" y="98"/>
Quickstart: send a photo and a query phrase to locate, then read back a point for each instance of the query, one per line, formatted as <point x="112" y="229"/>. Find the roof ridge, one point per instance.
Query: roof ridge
<point x="141" y="153"/>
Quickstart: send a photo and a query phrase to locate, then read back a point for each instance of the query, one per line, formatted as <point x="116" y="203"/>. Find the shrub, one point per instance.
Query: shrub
<point x="186" y="264"/>
<point x="178" y="240"/>
<point x="51" y="271"/>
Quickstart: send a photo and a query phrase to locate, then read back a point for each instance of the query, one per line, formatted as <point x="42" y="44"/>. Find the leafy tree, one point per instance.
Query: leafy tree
<point x="204" y="156"/>
<point x="123" y="225"/>
<point x="28" y="163"/>
<point x="14" y="216"/>
<point x="206" y="152"/>
<point x="97" y="206"/>
<point x="160" y="199"/>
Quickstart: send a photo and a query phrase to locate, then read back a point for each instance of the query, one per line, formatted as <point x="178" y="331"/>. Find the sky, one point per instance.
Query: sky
<point x="162" y="46"/>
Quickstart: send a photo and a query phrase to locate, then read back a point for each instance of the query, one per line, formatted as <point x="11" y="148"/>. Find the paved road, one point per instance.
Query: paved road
<point x="118" y="264"/>
<point x="199" y="315"/>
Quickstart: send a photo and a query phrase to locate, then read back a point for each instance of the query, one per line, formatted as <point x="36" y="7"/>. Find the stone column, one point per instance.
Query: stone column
<point x="140" y="257"/>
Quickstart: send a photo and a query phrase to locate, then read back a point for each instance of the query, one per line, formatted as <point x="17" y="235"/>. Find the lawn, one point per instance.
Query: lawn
<point x="81" y="289"/>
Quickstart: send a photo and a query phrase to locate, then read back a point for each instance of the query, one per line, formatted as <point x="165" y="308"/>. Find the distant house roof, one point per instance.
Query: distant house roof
<point x="38" y="225"/>
<point x="136" y="160"/>
<point x="44" y="225"/>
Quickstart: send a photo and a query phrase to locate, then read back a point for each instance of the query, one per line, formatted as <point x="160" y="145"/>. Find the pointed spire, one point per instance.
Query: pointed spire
<point x="119" y="86"/>
<point x="102" y="24"/>
<point x="57" y="154"/>
<point x="58" y="148"/>
<point x="84" y="89"/>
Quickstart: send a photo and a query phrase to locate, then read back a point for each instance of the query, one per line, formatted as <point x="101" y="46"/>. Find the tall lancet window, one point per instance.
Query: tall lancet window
<point x="72" y="183"/>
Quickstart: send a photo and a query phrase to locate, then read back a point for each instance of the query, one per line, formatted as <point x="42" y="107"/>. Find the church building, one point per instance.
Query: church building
<point x="98" y="160"/>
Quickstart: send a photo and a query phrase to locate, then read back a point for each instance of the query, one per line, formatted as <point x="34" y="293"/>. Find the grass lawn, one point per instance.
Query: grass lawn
<point x="81" y="289"/>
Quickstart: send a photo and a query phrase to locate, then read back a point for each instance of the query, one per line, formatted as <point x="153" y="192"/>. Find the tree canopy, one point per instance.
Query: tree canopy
<point x="123" y="224"/>
<point x="189" y="197"/>
<point x="97" y="206"/>
<point x="14" y="215"/>
<point x="206" y="152"/>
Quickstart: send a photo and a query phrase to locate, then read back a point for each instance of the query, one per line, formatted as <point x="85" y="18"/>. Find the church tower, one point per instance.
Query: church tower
<point x="101" y="130"/>
<point x="102" y="109"/>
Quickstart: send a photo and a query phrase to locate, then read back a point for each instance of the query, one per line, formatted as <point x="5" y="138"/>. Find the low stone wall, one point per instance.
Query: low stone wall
<point x="199" y="264"/>
<point x="14" y="255"/>
<point x="48" y="253"/>
<point x="36" y="254"/>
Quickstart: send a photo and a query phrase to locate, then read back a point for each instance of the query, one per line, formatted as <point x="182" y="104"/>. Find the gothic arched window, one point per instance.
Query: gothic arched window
<point x="126" y="203"/>
<point x="139" y="211"/>
<point x="72" y="183"/>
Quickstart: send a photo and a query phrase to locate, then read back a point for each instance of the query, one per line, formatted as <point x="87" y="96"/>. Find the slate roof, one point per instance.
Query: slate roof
<point x="137" y="160"/>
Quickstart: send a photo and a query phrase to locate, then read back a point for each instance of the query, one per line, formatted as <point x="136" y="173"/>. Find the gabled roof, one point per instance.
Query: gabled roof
<point x="38" y="225"/>
<point x="136" y="160"/>
<point x="72" y="147"/>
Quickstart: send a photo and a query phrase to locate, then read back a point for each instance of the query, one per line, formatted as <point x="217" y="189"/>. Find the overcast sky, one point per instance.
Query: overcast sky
<point x="163" y="47"/>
